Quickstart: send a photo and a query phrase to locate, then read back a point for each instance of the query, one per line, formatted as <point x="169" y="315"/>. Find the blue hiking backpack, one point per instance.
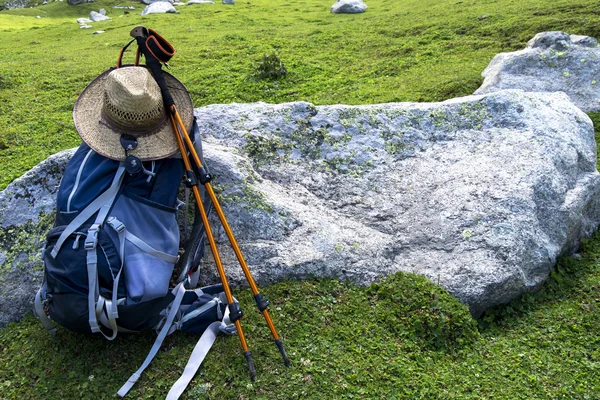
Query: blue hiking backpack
<point x="110" y="258"/>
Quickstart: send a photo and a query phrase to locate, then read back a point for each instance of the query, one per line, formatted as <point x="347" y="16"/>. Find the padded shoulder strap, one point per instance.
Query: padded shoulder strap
<point x="105" y="198"/>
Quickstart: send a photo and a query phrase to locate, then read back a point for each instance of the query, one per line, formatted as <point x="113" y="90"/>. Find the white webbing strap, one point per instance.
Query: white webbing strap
<point x="179" y="291"/>
<point x="92" y="271"/>
<point x="107" y="197"/>
<point x="119" y="227"/>
<point x="39" y="310"/>
<point x="124" y="234"/>
<point x="91" y="242"/>
<point x="109" y="322"/>
<point x="201" y="349"/>
<point x="145" y="247"/>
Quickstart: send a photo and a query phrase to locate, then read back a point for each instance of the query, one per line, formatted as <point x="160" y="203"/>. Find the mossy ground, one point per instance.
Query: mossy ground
<point x="403" y="338"/>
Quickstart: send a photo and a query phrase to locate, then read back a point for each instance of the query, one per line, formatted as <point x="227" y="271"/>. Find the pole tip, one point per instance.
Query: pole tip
<point x="250" y="365"/>
<point x="286" y="360"/>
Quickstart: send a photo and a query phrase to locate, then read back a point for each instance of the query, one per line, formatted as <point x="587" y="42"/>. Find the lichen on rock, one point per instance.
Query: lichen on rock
<point x="551" y="62"/>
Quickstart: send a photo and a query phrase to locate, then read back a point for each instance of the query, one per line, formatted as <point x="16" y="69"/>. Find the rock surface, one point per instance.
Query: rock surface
<point x="191" y="2"/>
<point x="154" y="1"/>
<point x="22" y="204"/>
<point x="480" y="194"/>
<point x="551" y="62"/>
<point x="348" y="7"/>
<point x="97" y="17"/>
<point x="159" y="7"/>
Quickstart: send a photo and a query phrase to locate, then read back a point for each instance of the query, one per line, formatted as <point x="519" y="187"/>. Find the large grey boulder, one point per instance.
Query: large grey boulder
<point x="154" y="1"/>
<point x="551" y="61"/>
<point x="348" y="7"/>
<point x="12" y="4"/>
<point x="26" y="209"/>
<point x="480" y="194"/>
<point x="159" y="7"/>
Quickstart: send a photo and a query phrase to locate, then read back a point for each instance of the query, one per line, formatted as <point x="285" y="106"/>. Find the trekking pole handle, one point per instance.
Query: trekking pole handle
<point x="140" y="34"/>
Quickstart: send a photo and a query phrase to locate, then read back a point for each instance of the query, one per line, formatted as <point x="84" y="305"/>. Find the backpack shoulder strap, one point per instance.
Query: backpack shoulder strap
<point x="104" y="200"/>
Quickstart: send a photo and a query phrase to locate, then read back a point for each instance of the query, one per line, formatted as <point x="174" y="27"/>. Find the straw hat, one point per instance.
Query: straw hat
<point x="127" y="100"/>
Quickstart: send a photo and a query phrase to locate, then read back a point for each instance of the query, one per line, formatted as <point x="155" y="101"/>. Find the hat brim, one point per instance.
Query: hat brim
<point x="87" y="116"/>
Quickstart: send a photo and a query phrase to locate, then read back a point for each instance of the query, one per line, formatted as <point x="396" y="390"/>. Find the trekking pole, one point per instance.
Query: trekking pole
<point x="199" y="174"/>
<point x="261" y="302"/>
<point x="235" y="312"/>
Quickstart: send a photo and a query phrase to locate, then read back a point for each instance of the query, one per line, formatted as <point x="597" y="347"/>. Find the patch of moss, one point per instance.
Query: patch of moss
<point x="264" y="150"/>
<point x="427" y="314"/>
<point x="27" y="239"/>
<point x="249" y="199"/>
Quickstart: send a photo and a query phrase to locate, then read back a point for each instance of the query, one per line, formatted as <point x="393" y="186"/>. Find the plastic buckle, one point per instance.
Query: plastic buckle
<point x="117" y="225"/>
<point x="91" y="241"/>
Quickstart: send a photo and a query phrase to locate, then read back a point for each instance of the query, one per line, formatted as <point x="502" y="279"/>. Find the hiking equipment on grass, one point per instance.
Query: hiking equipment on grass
<point x="110" y="257"/>
<point x="157" y="50"/>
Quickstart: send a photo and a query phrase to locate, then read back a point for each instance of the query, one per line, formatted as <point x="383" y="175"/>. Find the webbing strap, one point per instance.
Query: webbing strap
<point x="124" y="234"/>
<point x="91" y="243"/>
<point x="179" y="291"/>
<point x="201" y="349"/>
<point x="119" y="227"/>
<point x="92" y="272"/>
<point x="140" y="244"/>
<point x="107" y="197"/>
<point x="109" y="322"/>
<point x="39" y="310"/>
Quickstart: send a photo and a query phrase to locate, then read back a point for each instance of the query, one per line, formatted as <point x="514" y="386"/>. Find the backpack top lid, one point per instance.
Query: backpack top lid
<point x="88" y="174"/>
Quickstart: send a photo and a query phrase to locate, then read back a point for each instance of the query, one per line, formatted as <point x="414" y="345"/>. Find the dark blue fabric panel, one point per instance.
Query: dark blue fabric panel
<point x="163" y="188"/>
<point x="97" y="175"/>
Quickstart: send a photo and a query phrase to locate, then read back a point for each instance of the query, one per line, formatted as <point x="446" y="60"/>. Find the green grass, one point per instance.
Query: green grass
<point x="425" y="50"/>
<point x="403" y="338"/>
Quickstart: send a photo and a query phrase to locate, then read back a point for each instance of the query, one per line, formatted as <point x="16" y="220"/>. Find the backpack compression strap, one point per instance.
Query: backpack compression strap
<point x="107" y="197"/>
<point x="200" y="351"/>
<point x="178" y="292"/>
<point x="97" y="303"/>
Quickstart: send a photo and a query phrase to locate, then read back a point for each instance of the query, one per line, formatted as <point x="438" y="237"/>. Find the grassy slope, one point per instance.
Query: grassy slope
<point x="545" y="346"/>
<point x="425" y="50"/>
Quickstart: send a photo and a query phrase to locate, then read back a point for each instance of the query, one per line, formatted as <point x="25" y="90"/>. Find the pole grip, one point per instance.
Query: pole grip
<point x="155" y="67"/>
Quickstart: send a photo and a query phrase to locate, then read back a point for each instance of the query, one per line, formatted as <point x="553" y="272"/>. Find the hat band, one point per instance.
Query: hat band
<point x="137" y="132"/>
